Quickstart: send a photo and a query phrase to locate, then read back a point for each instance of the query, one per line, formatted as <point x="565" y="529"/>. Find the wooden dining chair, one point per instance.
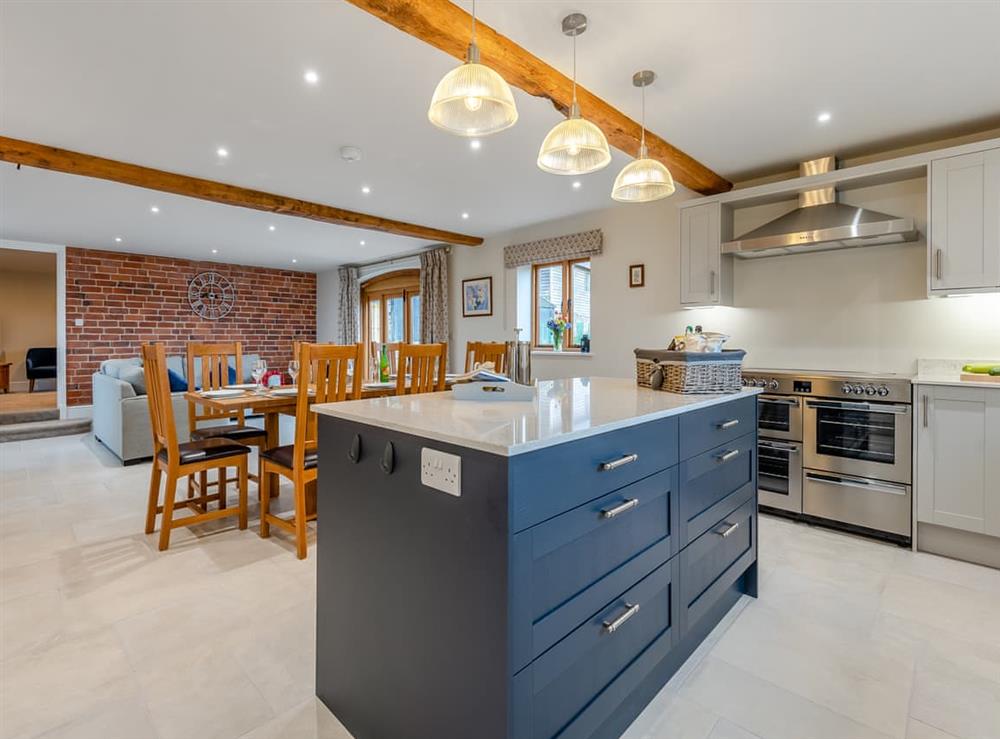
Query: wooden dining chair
<point x="480" y="352"/>
<point x="336" y="371"/>
<point x="392" y="349"/>
<point x="208" y="369"/>
<point x="421" y="368"/>
<point x="175" y="460"/>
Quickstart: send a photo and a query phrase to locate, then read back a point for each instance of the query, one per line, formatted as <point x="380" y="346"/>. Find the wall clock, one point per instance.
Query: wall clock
<point x="211" y="295"/>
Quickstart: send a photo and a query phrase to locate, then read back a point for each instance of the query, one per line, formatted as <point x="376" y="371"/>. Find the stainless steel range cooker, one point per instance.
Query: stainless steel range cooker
<point x="836" y="447"/>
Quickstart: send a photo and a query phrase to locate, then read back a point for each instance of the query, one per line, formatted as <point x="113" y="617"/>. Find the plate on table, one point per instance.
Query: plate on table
<point x="226" y="393"/>
<point x="244" y="386"/>
<point x="285" y="391"/>
<point x="373" y="385"/>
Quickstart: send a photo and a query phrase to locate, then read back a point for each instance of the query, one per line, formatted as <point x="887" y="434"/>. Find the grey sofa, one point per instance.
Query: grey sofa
<point x="121" y="409"/>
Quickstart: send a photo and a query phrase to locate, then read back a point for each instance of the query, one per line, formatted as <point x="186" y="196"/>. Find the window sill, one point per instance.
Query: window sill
<point x="561" y="355"/>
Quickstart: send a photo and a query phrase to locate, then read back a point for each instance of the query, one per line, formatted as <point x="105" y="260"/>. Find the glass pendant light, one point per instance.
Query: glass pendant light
<point x="644" y="179"/>
<point x="472" y="100"/>
<point x="574" y="146"/>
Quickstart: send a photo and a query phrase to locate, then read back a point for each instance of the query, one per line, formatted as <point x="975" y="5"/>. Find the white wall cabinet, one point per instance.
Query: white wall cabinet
<point x="964" y="223"/>
<point x="958" y="457"/>
<point x="706" y="277"/>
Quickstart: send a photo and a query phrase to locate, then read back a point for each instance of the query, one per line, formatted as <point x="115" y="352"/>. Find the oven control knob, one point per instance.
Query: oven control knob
<point x="870" y="390"/>
<point x="758" y="382"/>
<point x="846" y="389"/>
<point x="772" y="385"/>
<point x="743" y="381"/>
<point x="859" y="389"/>
<point x="883" y="390"/>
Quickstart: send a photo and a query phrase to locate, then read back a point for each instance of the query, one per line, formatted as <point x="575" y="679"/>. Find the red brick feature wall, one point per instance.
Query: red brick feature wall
<point x="127" y="299"/>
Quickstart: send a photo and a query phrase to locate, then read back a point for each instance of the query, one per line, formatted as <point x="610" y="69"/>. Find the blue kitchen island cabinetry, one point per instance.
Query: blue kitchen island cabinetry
<point x="600" y="532"/>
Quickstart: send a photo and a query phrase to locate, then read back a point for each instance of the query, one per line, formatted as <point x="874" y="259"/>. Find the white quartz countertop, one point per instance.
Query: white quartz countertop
<point x="948" y="371"/>
<point x="563" y="410"/>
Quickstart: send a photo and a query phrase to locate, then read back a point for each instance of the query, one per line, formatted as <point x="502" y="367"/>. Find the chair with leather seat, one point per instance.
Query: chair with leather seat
<point x="335" y="371"/>
<point x="208" y="369"/>
<point x="175" y="461"/>
<point x="39" y="364"/>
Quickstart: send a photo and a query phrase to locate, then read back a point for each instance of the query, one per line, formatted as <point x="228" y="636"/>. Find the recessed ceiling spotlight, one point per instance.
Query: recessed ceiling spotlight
<point x="222" y="152"/>
<point x="154" y="209"/>
<point x="118" y="239"/>
<point x="215" y="251"/>
<point x="465" y="216"/>
<point x="271" y="227"/>
<point x="350" y="153"/>
<point x="311" y="76"/>
<point x="295" y="261"/>
<point x="824" y="117"/>
<point x="475" y="144"/>
<point x="577" y="185"/>
<point x="362" y="242"/>
<point x="365" y="189"/>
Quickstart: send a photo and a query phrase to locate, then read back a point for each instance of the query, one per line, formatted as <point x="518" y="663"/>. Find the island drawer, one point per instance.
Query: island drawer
<point x="711" y="563"/>
<point x="565" y="569"/>
<point x="718" y="424"/>
<point x="715" y="482"/>
<point x="550" y="481"/>
<point x="550" y="693"/>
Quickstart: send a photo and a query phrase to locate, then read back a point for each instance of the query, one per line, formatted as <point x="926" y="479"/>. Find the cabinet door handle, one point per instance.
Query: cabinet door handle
<point x="726" y="456"/>
<point x="730" y="528"/>
<point x="925" y="410"/>
<point x="627" y="459"/>
<point x="728" y="424"/>
<point x="611" y="627"/>
<point x="711" y="282"/>
<point x="628" y="505"/>
<point x="938" y="256"/>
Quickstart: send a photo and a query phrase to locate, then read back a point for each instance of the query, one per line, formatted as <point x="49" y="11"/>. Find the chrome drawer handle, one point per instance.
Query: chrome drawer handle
<point x="627" y="459"/>
<point x="728" y="424"/>
<point x="611" y="627"/>
<point x="730" y="528"/>
<point x="726" y="456"/>
<point x="628" y="505"/>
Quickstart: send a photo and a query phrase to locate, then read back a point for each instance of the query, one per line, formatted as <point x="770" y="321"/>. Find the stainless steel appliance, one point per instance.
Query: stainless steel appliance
<point x="836" y="447"/>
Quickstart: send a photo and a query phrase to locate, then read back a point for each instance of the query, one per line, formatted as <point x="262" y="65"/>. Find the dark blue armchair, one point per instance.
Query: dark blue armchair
<point x="40" y="364"/>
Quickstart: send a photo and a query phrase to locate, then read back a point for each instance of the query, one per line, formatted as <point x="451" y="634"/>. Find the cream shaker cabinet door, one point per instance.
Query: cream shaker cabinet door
<point x="701" y="254"/>
<point x="964" y="240"/>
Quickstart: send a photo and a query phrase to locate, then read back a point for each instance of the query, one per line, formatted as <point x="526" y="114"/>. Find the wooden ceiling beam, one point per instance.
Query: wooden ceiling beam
<point x="445" y="26"/>
<point x="72" y="162"/>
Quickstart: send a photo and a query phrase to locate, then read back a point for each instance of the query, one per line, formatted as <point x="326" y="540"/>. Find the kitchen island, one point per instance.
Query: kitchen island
<point x="573" y="552"/>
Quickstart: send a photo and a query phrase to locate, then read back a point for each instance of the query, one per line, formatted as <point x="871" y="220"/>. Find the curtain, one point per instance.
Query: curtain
<point x="349" y="326"/>
<point x="570" y="246"/>
<point x="434" y="296"/>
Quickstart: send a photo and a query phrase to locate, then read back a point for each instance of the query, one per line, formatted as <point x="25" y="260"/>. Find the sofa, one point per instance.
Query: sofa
<point x="39" y="364"/>
<point x="121" y="409"/>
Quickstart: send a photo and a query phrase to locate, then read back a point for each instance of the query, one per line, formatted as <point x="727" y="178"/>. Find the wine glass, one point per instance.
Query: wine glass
<point x="293" y="369"/>
<point x="258" y="370"/>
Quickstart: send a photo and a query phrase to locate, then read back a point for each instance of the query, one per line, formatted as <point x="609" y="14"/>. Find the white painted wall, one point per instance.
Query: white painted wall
<point x="858" y="309"/>
<point x="327" y="306"/>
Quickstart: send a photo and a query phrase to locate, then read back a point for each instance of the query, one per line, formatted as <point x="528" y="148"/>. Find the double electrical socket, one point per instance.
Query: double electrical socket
<point x="441" y="471"/>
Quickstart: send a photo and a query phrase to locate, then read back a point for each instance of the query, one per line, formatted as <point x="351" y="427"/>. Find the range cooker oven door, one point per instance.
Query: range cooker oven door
<point x="779" y="474"/>
<point x="860" y="439"/>
<point x="873" y="504"/>
<point x="779" y="417"/>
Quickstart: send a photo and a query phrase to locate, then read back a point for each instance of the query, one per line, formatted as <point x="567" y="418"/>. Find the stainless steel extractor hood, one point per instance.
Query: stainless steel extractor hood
<point x="820" y="223"/>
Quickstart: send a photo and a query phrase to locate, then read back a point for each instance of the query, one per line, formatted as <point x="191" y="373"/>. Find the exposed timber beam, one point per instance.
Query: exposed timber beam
<point x="447" y="27"/>
<point x="72" y="162"/>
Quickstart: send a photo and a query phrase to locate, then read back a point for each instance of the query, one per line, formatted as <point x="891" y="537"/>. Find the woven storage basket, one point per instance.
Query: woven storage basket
<point x="691" y="372"/>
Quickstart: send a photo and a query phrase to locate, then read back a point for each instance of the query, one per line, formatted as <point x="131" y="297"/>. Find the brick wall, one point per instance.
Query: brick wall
<point x="127" y="299"/>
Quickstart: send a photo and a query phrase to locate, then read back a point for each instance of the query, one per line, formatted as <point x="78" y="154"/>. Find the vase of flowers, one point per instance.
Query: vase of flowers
<point x="557" y="326"/>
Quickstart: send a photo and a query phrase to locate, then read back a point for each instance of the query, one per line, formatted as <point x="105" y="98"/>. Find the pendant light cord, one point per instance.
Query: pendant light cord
<point x="642" y="138"/>
<point x="473" y="21"/>
<point x="574" y="69"/>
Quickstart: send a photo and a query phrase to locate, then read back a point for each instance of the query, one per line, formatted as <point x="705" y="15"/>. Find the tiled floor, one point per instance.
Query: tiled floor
<point x="104" y="637"/>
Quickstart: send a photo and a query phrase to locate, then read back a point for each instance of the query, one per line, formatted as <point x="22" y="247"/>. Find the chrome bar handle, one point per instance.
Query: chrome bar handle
<point x="925" y="410"/>
<point x="611" y="627"/>
<point x="726" y="456"/>
<point x="938" y="255"/>
<point x="767" y="444"/>
<point x="627" y="459"/>
<point x="730" y="528"/>
<point x="628" y="505"/>
<point x="728" y="424"/>
<point x="711" y="282"/>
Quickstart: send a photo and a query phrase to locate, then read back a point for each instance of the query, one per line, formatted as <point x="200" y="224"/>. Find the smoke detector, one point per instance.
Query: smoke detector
<point x="350" y="153"/>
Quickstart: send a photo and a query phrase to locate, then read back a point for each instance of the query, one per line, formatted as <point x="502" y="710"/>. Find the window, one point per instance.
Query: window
<point x="390" y="308"/>
<point x="561" y="287"/>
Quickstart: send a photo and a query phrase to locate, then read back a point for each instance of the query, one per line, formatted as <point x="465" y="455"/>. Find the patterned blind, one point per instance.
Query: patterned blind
<point x="571" y="246"/>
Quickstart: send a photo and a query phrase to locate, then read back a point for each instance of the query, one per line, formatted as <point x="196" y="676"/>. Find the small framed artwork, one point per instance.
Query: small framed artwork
<point x="477" y="297"/>
<point x="637" y="275"/>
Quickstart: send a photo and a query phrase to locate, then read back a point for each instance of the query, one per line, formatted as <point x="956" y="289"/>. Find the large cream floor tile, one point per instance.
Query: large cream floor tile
<point x="309" y="720"/>
<point x="726" y="730"/>
<point x="37" y="621"/>
<point x="672" y="717"/>
<point x="960" y="610"/>
<point x="920" y="730"/>
<point x="126" y="718"/>
<point x="954" y="699"/>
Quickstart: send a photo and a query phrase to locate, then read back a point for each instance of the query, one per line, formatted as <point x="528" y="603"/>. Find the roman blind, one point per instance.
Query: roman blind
<point x="570" y="246"/>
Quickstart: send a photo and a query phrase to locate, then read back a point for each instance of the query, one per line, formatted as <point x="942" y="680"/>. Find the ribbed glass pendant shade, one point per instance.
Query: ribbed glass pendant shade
<point x="642" y="181"/>
<point x="472" y="100"/>
<point x="574" y="146"/>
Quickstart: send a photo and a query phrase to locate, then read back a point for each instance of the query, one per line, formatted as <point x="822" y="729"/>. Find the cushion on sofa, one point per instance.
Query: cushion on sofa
<point x="114" y="367"/>
<point x="134" y="376"/>
<point x="177" y="383"/>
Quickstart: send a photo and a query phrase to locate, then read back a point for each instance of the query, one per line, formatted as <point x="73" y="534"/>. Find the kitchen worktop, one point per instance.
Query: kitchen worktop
<point x="563" y="410"/>
<point x="948" y="372"/>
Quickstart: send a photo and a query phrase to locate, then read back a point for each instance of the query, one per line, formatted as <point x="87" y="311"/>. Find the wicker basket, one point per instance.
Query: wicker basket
<point x="690" y="372"/>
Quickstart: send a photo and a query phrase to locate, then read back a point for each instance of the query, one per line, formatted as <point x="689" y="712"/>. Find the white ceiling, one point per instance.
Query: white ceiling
<point x="165" y="83"/>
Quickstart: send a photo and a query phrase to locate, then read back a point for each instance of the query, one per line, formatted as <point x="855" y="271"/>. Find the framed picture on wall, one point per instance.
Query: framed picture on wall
<point x="477" y="297"/>
<point x="637" y="275"/>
